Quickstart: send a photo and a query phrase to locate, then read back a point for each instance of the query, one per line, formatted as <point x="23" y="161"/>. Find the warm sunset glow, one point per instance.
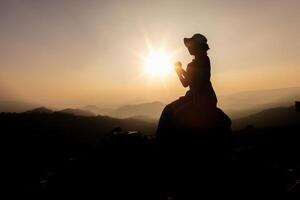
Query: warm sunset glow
<point x="113" y="53"/>
<point x="158" y="64"/>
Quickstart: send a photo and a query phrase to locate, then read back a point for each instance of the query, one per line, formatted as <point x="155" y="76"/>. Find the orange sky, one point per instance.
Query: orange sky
<point x="74" y="53"/>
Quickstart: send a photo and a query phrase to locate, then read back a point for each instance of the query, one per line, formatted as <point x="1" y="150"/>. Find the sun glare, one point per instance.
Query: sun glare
<point x="158" y="64"/>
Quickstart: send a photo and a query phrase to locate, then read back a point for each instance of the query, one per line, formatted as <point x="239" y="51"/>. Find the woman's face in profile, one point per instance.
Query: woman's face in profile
<point x="193" y="50"/>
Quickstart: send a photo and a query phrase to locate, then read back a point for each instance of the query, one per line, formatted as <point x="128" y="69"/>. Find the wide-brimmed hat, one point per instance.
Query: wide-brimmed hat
<point x="196" y="39"/>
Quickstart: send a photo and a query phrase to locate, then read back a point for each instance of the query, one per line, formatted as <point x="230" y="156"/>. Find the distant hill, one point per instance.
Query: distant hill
<point x="15" y="106"/>
<point x="241" y="104"/>
<point x="143" y="118"/>
<point x="96" y="110"/>
<point x="150" y="110"/>
<point x="270" y="117"/>
<point x="77" y="112"/>
<point x="40" y="110"/>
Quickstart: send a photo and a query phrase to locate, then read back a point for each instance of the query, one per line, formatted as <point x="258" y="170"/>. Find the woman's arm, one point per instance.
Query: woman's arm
<point x="182" y="74"/>
<point x="183" y="78"/>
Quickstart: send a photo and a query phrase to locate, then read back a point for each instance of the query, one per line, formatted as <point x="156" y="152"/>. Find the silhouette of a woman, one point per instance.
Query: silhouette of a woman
<point x="197" y="74"/>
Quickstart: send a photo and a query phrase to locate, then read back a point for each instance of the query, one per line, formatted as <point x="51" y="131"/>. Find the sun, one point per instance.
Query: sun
<point x="158" y="64"/>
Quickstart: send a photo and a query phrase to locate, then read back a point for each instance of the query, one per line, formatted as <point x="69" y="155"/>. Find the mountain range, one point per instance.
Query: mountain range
<point x="279" y="116"/>
<point x="77" y="112"/>
<point x="145" y="110"/>
<point x="237" y="105"/>
<point x="242" y="104"/>
<point x="71" y="111"/>
<point x="96" y="110"/>
<point x="271" y="117"/>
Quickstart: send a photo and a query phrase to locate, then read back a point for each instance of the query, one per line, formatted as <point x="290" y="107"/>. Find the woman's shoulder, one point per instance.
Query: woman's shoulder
<point x="191" y="66"/>
<point x="204" y="60"/>
<point x="199" y="62"/>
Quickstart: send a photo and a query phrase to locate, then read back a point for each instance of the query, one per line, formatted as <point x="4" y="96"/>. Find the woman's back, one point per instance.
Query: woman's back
<point x="199" y="81"/>
<point x="199" y="74"/>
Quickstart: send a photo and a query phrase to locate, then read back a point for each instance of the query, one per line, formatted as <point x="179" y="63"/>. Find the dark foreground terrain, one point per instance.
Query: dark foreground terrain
<point x="66" y="155"/>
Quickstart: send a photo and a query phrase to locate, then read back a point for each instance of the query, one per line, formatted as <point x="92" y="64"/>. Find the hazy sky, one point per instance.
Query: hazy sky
<point x="73" y="53"/>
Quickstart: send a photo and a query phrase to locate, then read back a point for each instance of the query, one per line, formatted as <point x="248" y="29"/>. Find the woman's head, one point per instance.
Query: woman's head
<point x="197" y="44"/>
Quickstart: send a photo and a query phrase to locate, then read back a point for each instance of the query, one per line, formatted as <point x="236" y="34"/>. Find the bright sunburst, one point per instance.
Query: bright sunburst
<point x="158" y="64"/>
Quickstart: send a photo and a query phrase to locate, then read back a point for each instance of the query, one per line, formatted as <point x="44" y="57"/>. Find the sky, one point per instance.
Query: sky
<point x="74" y="53"/>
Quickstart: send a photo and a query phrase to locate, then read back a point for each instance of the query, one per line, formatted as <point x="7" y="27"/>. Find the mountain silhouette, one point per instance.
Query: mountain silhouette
<point x="143" y="118"/>
<point x="40" y="110"/>
<point x="77" y="112"/>
<point x="96" y="110"/>
<point x="242" y="104"/>
<point x="151" y="110"/>
<point x="236" y="105"/>
<point x="279" y="116"/>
